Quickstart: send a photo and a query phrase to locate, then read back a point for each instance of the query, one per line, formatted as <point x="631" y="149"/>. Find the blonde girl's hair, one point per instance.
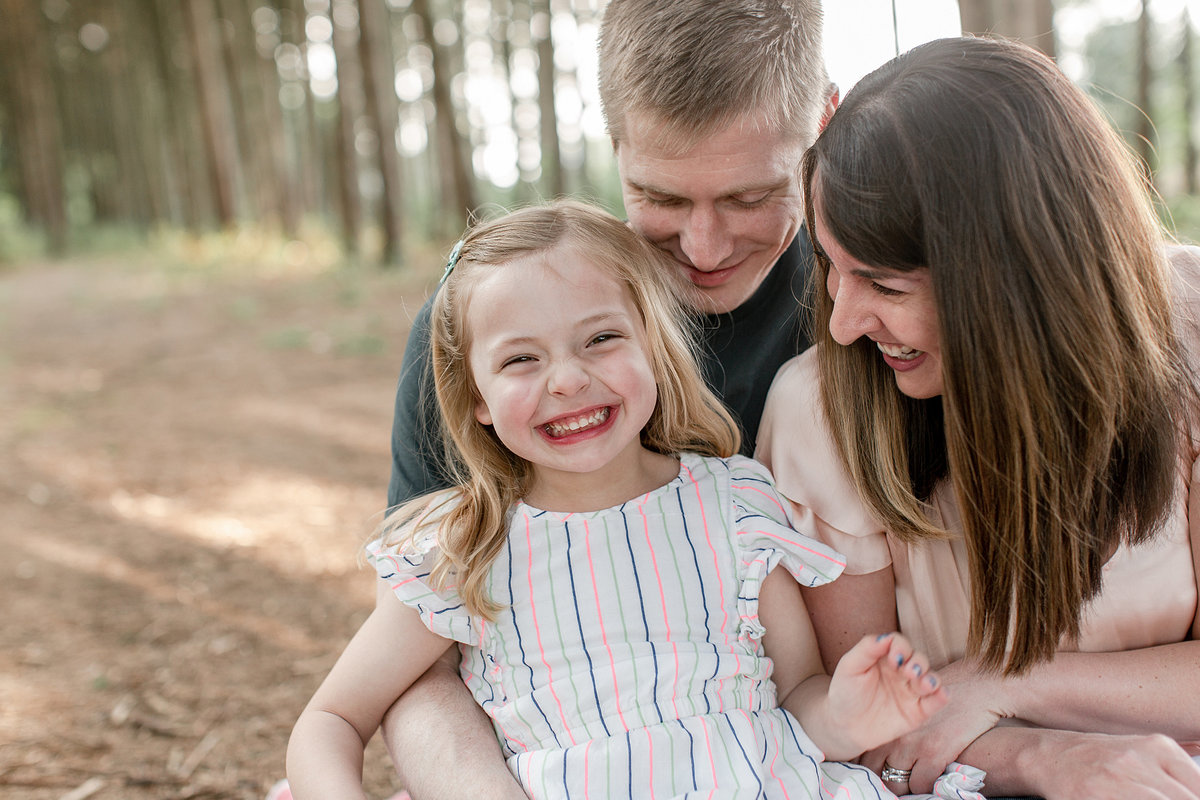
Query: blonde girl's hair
<point x="1065" y="396"/>
<point x="695" y="66"/>
<point x="471" y="519"/>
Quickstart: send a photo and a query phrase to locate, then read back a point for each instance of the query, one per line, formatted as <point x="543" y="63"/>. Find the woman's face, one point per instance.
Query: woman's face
<point x="893" y="309"/>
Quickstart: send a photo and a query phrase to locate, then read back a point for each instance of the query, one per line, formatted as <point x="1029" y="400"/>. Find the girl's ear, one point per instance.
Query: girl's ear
<point x="482" y="414"/>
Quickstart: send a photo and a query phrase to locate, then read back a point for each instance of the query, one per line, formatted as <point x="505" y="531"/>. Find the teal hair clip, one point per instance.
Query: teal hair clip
<point x="450" y="262"/>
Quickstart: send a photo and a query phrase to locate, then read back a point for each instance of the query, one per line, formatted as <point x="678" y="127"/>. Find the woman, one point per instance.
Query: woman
<point x="997" y="425"/>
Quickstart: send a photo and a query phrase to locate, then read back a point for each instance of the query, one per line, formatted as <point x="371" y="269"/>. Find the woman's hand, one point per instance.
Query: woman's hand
<point x="1111" y="767"/>
<point x="976" y="704"/>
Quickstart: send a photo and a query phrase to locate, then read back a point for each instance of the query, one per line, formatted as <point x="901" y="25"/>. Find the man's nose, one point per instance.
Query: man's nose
<point x="705" y="239"/>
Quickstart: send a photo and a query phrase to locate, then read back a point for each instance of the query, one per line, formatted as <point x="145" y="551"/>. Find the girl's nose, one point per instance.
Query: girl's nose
<point x="568" y="377"/>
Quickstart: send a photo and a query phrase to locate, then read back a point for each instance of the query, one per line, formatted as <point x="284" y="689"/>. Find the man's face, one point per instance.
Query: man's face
<point x="724" y="209"/>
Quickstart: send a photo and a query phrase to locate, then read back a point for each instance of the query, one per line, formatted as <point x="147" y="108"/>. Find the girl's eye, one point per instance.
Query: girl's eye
<point x="604" y="337"/>
<point x="508" y="362"/>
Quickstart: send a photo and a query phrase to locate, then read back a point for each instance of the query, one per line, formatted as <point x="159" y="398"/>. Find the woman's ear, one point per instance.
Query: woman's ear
<point x="832" y="98"/>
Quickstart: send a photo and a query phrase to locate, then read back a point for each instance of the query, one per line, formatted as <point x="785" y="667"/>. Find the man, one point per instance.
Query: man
<point x="710" y="106"/>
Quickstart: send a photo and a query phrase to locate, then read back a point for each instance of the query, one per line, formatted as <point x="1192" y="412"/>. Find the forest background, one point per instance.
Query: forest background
<point x="217" y="218"/>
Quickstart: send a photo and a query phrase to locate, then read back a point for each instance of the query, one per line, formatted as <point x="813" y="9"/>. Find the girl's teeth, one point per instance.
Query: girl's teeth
<point x="578" y="424"/>
<point x="902" y="352"/>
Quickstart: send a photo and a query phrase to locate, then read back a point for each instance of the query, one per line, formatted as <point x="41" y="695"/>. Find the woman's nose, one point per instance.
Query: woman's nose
<point x="852" y="316"/>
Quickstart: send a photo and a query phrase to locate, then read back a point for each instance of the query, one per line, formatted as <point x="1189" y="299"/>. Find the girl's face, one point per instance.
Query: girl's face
<point x="894" y="309"/>
<point x="559" y="356"/>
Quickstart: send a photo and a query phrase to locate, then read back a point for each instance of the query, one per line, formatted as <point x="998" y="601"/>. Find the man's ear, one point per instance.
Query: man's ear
<point x="832" y="99"/>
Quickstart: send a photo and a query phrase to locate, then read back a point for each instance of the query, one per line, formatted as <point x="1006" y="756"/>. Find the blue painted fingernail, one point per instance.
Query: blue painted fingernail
<point x="882" y="636"/>
<point x="917" y="669"/>
<point x="899" y="661"/>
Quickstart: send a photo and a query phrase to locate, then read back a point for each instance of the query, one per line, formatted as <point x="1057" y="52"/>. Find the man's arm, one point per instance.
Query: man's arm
<point x="442" y="743"/>
<point x="418" y="454"/>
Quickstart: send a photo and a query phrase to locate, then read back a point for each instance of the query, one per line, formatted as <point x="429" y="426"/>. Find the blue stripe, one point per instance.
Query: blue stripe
<point x="521" y="644"/>
<point x="642" y="606"/>
<point x="754" y="768"/>
<point x="579" y="623"/>
<point x="683" y="515"/>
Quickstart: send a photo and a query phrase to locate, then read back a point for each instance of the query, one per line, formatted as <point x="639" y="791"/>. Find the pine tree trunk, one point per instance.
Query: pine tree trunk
<point x="35" y="116"/>
<point x="217" y="125"/>
<point x="379" y="77"/>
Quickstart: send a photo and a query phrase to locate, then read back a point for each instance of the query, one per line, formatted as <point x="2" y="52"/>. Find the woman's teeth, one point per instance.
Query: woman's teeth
<point x="902" y="352"/>
<point x="562" y="428"/>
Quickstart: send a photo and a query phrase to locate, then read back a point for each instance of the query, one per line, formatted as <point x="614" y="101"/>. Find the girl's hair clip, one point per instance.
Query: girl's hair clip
<point x="451" y="261"/>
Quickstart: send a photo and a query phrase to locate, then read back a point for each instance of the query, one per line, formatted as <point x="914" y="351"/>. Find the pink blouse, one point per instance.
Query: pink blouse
<point x="1150" y="592"/>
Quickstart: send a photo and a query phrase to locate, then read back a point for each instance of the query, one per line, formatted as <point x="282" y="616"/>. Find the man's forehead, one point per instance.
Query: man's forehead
<point x="713" y="171"/>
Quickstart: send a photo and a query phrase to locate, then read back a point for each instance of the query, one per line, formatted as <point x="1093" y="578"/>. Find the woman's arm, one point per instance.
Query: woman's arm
<point x="390" y="651"/>
<point x="1065" y="765"/>
<point x="442" y="743"/>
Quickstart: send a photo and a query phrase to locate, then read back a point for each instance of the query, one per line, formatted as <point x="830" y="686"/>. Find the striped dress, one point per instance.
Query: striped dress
<point x="628" y="659"/>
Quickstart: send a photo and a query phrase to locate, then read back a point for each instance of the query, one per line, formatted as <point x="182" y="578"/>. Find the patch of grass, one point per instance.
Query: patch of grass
<point x="290" y="338"/>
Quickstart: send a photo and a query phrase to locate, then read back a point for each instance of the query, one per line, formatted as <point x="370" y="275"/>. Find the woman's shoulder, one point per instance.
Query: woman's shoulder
<point x="793" y="420"/>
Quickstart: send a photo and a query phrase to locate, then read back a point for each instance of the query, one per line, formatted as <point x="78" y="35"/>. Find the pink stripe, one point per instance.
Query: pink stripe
<point x="720" y="587"/>
<point x="800" y="546"/>
<point x="650" y="758"/>
<point x="662" y="596"/>
<point x="708" y="746"/>
<point x="537" y="629"/>
<point x="770" y="497"/>
<point x="774" y="734"/>
<point x="612" y="659"/>
<point x="587" y="751"/>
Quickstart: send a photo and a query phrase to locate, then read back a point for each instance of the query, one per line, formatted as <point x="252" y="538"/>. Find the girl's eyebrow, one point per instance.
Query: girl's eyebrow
<point x="598" y="318"/>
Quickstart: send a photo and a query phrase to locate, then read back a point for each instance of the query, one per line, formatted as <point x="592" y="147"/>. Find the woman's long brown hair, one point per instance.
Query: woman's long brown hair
<point x="1064" y="392"/>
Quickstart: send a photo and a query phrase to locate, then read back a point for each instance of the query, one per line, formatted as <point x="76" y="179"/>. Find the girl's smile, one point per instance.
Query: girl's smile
<point x="578" y="426"/>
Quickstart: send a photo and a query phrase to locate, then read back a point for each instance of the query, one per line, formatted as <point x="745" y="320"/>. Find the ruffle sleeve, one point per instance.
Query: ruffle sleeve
<point x="407" y="570"/>
<point x="795" y="444"/>
<point x="766" y="539"/>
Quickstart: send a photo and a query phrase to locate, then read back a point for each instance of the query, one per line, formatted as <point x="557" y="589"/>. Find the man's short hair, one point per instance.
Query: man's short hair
<point x="694" y="66"/>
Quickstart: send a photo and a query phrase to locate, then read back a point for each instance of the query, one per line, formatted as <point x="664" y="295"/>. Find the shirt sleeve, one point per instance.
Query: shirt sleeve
<point x="418" y="455"/>
<point x="795" y="444"/>
<point x="406" y="570"/>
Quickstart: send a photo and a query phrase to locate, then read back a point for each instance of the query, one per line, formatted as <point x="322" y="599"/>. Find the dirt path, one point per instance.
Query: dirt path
<point x="189" y="464"/>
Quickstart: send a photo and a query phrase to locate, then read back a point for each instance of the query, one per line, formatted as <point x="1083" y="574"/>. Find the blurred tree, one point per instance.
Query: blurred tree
<point x="344" y="14"/>
<point x="541" y="28"/>
<point x="379" y="78"/>
<point x="215" y="113"/>
<point x="33" y="119"/>
<point x="1187" y="82"/>
<point x="1031" y="21"/>
<point x="457" y="180"/>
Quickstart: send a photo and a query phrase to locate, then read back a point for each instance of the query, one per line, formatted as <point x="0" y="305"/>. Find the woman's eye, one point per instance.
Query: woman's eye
<point x="886" y="291"/>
